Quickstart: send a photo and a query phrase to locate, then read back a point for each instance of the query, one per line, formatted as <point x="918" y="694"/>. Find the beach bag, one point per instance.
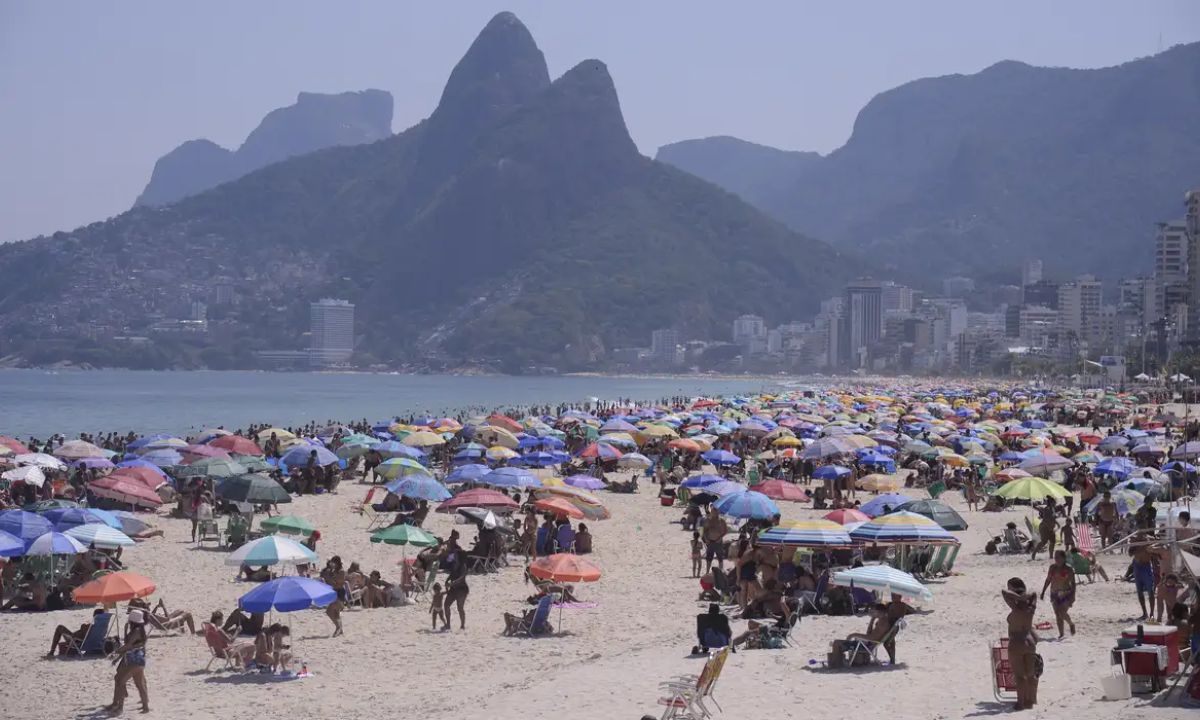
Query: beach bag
<point x="1039" y="665"/>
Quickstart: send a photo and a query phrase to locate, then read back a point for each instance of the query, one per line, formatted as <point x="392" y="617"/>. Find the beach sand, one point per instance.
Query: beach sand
<point x="606" y="662"/>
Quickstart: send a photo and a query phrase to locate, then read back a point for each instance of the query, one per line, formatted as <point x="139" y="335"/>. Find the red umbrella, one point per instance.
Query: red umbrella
<point x="14" y="444"/>
<point x="503" y="421"/>
<point x="126" y="489"/>
<point x="143" y="475"/>
<point x="781" y="490"/>
<point x="480" y="498"/>
<point x="604" y="451"/>
<point x="236" y="444"/>
<point x="559" y="507"/>
<point x="195" y="452"/>
<point x="847" y="516"/>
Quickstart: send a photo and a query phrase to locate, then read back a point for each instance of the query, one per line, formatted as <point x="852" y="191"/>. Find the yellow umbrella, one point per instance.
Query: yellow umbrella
<point x="280" y="434"/>
<point x="858" y="441"/>
<point x="954" y="460"/>
<point x="787" y="441"/>
<point x="499" y="452"/>
<point x="1032" y="488"/>
<point x="656" y="431"/>
<point x="423" y="438"/>
<point x="493" y="435"/>
<point x="878" y="482"/>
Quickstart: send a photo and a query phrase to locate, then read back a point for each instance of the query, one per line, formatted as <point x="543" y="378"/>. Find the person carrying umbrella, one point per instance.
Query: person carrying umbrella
<point x="130" y="659"/>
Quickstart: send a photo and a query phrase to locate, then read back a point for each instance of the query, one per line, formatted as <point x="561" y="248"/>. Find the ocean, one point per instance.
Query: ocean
<point x="43" y="402"/>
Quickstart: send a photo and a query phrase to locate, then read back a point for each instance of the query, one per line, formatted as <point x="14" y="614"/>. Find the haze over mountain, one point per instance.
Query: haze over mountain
<point x="517" y="225"/>
<point x="972" y="174"/>
<point x="316" y="121"/>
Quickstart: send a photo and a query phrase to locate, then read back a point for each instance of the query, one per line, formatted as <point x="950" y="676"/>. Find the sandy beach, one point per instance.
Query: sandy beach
<point x="605" y="663"/>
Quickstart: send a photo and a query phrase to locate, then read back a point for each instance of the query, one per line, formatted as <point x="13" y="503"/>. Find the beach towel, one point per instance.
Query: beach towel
<point x="577" y="605"/>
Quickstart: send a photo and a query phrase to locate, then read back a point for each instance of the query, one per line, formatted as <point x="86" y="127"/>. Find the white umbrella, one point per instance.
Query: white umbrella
<point x="272" y="550"/>
<point x="30" y="474"/>
<point x="41" y="460"/>
<point x="53" y="543"/>
<point x="885" y="579"/>
<point x="99" y="535"/>
<point x="634" y="461"/>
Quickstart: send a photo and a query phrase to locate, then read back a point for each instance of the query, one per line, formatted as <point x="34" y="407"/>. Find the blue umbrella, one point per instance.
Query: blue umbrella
<point x="419" y="486"/>
<point x="394" y="449"/>
<point x="25" y="525"/>
<point x="831" y="472"/>
<point x="749" y="504"/>
<point x="538" y="459"/>
<point x="700" y="481"/>
<point x="511" y="477"/>
<point x="147" y="439"/>
<point x="467" y="473"/>
<point x="723" y="488"/>
<point x="298" y="456"/>
<point x="53" y="543"/>
<point x="721" y="457"/>
<point x="287" y="594"/>
<point x="1118" y="467"/>
<point x="469" y="454"/>
<point x="875" y="506"/>
<point x="1179" y="466"/>
<point x="163" y="458"/>
<point x="10" y="545"/>
<point x="74" y="517"/>
<point x="138" y="462"/>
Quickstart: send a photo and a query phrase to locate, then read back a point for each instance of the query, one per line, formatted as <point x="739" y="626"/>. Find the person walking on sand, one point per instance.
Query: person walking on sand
<point x="130" y="660"/>
<point x="1022" y="642"/>
<point x="1047" y="528"/>
<point x="1060" y="580"/>
<point x="456" y="590"/>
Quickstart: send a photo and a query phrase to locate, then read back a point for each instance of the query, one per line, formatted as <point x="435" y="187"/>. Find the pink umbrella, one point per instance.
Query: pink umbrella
<point x="123" y="488"/>
<point x="193" y="452"/>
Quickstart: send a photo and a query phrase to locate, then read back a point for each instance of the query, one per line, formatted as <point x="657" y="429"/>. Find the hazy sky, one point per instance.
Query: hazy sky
<point x="92" y="93"/>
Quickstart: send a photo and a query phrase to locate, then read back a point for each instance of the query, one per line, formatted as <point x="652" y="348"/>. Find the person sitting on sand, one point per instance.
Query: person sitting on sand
<point x="583" y="540"/>
<point x="62" y="632"/>
<point x="1060" y="580"/>
<point x="712" y="630"/>
<point x="877" y="629"/>
<point x="30" y="594"/>
<point x="271" y="648"/>
<point x="377" y="591"/>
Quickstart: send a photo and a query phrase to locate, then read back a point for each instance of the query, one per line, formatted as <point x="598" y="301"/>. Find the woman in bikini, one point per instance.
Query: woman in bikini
<point x="1060" y="580"/>
<point x="1022" y="641"/>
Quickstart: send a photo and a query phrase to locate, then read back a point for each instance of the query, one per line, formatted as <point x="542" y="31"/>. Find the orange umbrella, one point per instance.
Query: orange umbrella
<point x="503" y="421"/>
<point x="564" y="567"/>
<point x="559" y="506"/>
<point x="114" y="588"/>
<point x="685" y="444"/>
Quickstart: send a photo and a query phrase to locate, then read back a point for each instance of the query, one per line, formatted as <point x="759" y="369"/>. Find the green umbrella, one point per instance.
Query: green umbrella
<point x="44" y="505"/>
<point x="288" y="525"/>
<point x="252" y="488"/>
<point x="404" y="535"/>
<point x="211" y="467"/>
<point x="253" y="463"/>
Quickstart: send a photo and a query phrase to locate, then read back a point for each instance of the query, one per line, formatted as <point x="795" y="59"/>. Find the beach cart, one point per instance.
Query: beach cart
<point x="1004" y="685"/>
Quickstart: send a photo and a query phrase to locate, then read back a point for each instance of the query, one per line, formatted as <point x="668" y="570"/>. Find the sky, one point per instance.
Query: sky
<point x="92" y="92"/>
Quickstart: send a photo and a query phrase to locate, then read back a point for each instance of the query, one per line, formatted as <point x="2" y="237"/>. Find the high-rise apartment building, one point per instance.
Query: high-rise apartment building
<point x="1078" y="304"/>
<point x="864" y="317"/>
<point x="664" y="346"/>
<point x="1170" y="268"/>
<point x="331" y="331"/>
<point x="1031" y="272"/>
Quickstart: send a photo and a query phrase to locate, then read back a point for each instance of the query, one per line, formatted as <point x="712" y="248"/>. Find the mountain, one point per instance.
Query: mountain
<point x="517" y="225"/>
<point x="972" y="174"/>
<point x="315" y="122"/>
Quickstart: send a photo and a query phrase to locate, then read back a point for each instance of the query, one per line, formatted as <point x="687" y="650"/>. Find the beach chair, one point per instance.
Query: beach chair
<point x="813" y="599"/>
<point x="937" y="563"/>
<point x="935" y="489"/>
<point x="871" y="648"/>
<point x="784" y="632"/>
<point x="221" y="648"/>
<point x="208" y="530"/>
<point x="686" y="694"/>
<point x="236" y="532"/>
<point x="951" y="556"/>
<point x="354" y="596"/>
<point x="860" y="598"/>
<point x="94" y="641"/>
<point x="538" y="623"/>
<point x="1083" y="538"/>
<point x="420" y="590"/>
<point x="1004" y="683"/>
<point x="682" y="496"/>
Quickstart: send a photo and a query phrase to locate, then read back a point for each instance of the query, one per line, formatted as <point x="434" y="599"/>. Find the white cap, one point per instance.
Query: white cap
<point x="137" y="617"/>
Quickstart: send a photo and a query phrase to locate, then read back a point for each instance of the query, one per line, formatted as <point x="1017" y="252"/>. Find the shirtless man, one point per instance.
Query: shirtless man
<point x="714" y="539"/>
<point x="1144" y="550"/>
<point x="30" y="595"/>
<point x="1106" y="517"/>
<point x="1047" y="528"/>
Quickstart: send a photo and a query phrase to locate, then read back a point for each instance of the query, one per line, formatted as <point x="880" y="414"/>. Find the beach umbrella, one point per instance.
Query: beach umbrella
<point x="254" y="463"/>
<point x="1117" y="467"/>
<point x="825" y="448"/>
<point x="271" y="550"/>
<point x="1143" y="486"/>
<point x="55" y="543"/>
<point x="29" y="474"/>
<point x="883" y="504"/>
<point x="1010" y="474"/>
<point x="93" y="463"/>
<point x="1043" y="461"/>
<point x="901" y="528"/>
<point x="634" y="461"/>
<point x="287" y="594"/>
<point x="13" y="444"/>
<point x="191" y="453"/>
<point x="423" y="439"/>
<point x="564" y="568"/>
<point x="846" y="516"/>
<point x="298" y="456"/>
<point x="420" y="487"/>
<point x="131" y="524"/>
<point x="479" y="497"/>
<point x="400" y="466"/>
<point x="11" y="545"/>
<point x="481" y="517"/>
<point x="124" y="489"/>
<point x="253" y="488"/>
<point x="491" y="435"/>
<point x="656" y="430"/>
<point x="42" y="460"/>
<point x="403" y="534"/>
<point x="538" y="459"/>
<point x="511" y="477"/>
<point x="831" y="472"/>
<point x="236" y="444"/>
<point x="42" y="506"/>
<point x="100" y="535"/>
<point x="723" y="488"/>
<point x="721" y="458"/>
<point x="588" y="504"/>
<point x="77" y="449"/>
<point x="163" y="458"/>
<point x="749" y="504"/>
<point x="1186" y="451"/>
<point x="213" y="467"/>
<point x="1127" y="501"/>
<point x="472" y="473"/>
<point x="782" y="490"/>
<point x="288" y="525"/>
<point x="145" y="476"/>
<point x="806" y="533"/>
<point x="560" y="507"/>
<point x="878" y="482"/>
<point x="1032" y="488"/>
<point x="66" y="518"/>
<point x="697" y="482"/>
<point x="114" y="588"/>
<point x="600" y="451"/>
<point x="24" y="525"/>
<point x="138" y="463"/>
<point x="883" y="579"/>
<point x="585" y="482"/>
<point x="937" y="511"/>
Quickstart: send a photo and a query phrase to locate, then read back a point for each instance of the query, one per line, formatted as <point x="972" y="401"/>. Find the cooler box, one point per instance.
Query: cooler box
<point x="1165" y="635"/>
<point x="1145" y="664"/>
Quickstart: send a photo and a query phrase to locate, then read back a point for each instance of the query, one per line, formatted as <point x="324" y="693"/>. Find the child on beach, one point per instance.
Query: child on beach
<point x="436" y="610"/>
<point x="697" y="552"/>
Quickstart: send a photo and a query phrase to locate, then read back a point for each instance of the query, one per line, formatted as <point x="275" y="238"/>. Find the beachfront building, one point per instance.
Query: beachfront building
<point x="750" y="332"/>
<point x="331" y="327"/>
<point x="864" y="318"/>
<point x="664" y="347"/>
<point x="1031" y="272"/>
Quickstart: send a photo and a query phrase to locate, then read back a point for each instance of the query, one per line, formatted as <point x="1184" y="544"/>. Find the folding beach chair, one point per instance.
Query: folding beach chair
<point x="936" y="564"/>
<point x="236" y="532"/>
<point x="94" y="641"/>
<point x="871" y="648"/>
<point x="354" y="596"/>
<point x="422" y="589"/>
<point x="222" y="648"/>
<point x="687" y="694"/>
<point x="948" y="565"/>
<point x="208" y="530"/>
<point x="538" y="623"/>
<point x="813" y="599"/>
<point x="1083" y="538"/>
<point x="1004" y="683"/>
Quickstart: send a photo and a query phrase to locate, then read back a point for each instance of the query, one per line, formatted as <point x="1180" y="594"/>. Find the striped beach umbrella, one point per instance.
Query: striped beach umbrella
<point x="271" y="550"/>
<point x="419" y="486"/>
<point x="901" y="528"/>
<point x="884" y="579"/>
<point x="806" y="533"/>
<point x="100" y="535"/>
<point x="749" y="504"/>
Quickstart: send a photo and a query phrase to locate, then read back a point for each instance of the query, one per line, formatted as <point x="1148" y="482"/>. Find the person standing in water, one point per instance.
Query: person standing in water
<point x="1060" y="580"/>
<point x="1022" y="641"/>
